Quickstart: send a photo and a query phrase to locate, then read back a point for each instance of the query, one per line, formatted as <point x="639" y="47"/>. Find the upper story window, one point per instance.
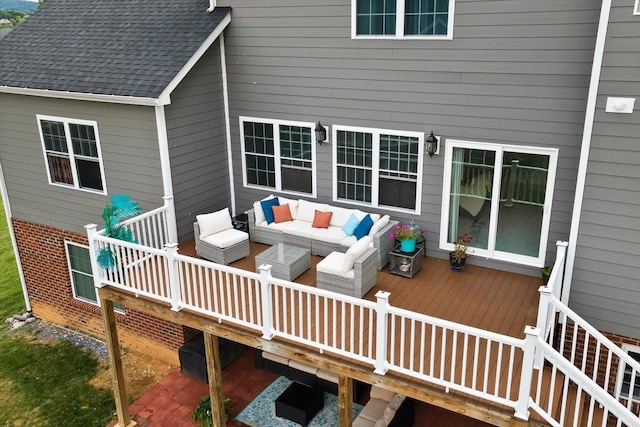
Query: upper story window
<point x="379" y="168"/>
<point x="278" y="155"/>
<point x="72" y="153"/>
<point x="501" y="195"/>
<point x="636" y="8"/>
<point x="402" y="18"/>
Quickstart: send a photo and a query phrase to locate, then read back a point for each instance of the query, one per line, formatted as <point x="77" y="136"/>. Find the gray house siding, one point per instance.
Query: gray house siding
<point x="515" y="73"/>
<point x="197" y="143"/>
<point x="606" y="285"/>
<point x="128" y="139"/>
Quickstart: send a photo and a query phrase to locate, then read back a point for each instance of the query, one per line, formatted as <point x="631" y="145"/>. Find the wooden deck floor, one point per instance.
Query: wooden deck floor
<point x="493" y="300"/>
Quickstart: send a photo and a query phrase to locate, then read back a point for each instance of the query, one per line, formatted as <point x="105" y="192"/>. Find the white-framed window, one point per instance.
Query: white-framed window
<point x="407" y="19"/>
<point x="72" y="153"/>
<point x="378" y="167"/>
<point x="81" y="274"/>
<point x="636" y="8"/>
<point x="501" y="195"/>
<point x="627" y="375"/>
<point x="279" y="155"/>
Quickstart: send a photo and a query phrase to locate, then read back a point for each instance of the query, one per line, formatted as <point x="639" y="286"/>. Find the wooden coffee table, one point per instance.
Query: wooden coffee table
<point x="287" y="262"/>
<point x="299" y="403"/>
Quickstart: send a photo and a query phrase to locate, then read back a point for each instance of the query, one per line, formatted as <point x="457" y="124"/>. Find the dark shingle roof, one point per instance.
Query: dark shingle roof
<point x="108" y="47"/>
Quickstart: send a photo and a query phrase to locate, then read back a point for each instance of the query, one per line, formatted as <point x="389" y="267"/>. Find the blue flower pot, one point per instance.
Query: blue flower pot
<point x="408" y="245"/>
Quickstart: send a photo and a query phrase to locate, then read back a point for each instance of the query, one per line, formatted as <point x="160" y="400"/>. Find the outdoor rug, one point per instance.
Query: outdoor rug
<point x="261" y="411"/>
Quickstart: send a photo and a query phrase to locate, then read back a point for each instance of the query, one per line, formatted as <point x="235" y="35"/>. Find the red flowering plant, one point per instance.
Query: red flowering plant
<point x="405" y="232"/>
<point x="461" y="247"/>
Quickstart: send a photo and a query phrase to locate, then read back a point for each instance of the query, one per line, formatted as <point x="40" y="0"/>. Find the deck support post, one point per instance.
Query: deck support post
<point x="382" y="311"/>
<point x="115" y="362"/>
<point x="518" y="423"/>
<point x="530" y="345"/>
<point x="173" y="276"/>
<point x="214" y="373"/>
<point x="345" y="401"/>
<point x="267" y="309"/>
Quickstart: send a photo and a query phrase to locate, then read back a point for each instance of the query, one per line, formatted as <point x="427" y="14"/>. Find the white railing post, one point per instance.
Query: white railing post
<point x="382" y="311"/>
<point x="530" y="345"/>
<point x="172" y="225"/>
<point x="98" y="272"/>
<point x="561" y="259"/>
<point x="544" y="311"/>
<point x="173" y="276"/>
<point x="267" y="309"/>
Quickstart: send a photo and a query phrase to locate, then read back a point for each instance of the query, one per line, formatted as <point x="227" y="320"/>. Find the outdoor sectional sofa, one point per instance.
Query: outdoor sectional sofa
<point x="299" y="229"/>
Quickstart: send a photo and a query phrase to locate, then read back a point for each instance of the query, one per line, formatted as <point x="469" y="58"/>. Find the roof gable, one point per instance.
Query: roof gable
<point x="131" y="48"/>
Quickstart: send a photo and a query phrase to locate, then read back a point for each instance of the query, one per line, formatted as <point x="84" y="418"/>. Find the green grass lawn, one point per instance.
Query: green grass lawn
<point x="43" y="383"/>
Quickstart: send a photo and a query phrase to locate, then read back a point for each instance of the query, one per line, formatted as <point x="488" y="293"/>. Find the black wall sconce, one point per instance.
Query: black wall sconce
<point x="321" y="133"/>
<point x="432" y="144"/>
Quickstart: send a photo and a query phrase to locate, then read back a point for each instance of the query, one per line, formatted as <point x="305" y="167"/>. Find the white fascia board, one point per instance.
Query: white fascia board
<point x="165" y="96"/>
<point x="77" y="96"/>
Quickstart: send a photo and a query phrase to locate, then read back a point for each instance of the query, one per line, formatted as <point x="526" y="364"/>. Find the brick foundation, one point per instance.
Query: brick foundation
<point x="44" y="263"/>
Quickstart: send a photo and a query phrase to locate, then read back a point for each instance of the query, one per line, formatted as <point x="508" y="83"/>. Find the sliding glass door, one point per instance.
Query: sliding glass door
<point x="501" y="195"/>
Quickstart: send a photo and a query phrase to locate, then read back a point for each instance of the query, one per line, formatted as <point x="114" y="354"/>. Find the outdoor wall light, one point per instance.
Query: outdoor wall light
<point x="432" y="144"/>
<point x="321" y="133"/>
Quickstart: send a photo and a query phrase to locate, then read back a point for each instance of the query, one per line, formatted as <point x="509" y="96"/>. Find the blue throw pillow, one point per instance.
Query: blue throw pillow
<point x="266" y="208"/>
<point x="364" y="227"/>
<point x="350" y="226"/>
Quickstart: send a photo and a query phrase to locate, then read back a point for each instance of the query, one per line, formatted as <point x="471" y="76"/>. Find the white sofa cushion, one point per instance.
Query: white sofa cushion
<point x="332" y="264"/>
<point x="340" y="216"/>
<point x="300" y="228"/>
<point x="379" y="224"/>
<point x="348" y="241"/>
<point x="257" y="209"/>
<point x="214" y="222"/>
<point x="333" y="235"/>
<point x="355" y="251"/>
<point x="226" y="238"/>
<point x="293" y="205"/>
<point x="307" y="210"/>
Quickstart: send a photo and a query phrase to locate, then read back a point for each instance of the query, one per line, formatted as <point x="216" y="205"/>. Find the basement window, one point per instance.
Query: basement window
<point x="629" y="378"/>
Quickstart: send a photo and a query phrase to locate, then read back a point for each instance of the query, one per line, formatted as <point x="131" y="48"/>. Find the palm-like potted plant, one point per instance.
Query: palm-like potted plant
<point x="458" y="256"/>
<point x="120" y="207"/>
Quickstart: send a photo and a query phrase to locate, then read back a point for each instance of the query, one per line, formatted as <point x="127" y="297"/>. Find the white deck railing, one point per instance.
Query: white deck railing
<point x="490" y="366"/>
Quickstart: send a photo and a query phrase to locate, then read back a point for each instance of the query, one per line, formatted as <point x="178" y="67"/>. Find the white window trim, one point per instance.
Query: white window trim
<point x="626" y="348"/>
<point x="276" y="151"/>
<point x="76" y="181"/>
<point x="400" y="25"/>
<point x="490" y="253"/>
<point x="375" y="162"/>
<point x="68" y="243"/>
<point x="636" y="8"/>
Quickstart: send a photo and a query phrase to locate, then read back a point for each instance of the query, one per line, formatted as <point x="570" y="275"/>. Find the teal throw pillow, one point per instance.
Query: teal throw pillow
<point x="266" y="208"/>
<point x="364" y="227"/>
<point x="350" y="226"/>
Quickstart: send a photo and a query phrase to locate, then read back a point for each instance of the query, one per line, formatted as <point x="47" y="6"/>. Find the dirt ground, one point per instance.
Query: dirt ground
<point x="141" y="371"/>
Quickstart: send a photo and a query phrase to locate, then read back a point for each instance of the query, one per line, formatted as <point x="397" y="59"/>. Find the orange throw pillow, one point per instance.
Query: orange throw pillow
<point x="281" y="213"/>
<point x="321" y="219"/>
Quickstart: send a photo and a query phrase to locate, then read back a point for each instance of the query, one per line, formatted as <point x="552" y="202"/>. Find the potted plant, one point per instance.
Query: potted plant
<point x="121" y="206"/>
<point x="546" y="272"/>
<point x="407" y="235"/>
<point x="458" y="256"/>
<point x="202" y="413"/>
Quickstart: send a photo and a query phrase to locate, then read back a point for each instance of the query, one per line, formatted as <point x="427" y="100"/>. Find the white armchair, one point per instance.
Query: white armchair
<point x="217" y="240"/>
<point x="352" y="273"/>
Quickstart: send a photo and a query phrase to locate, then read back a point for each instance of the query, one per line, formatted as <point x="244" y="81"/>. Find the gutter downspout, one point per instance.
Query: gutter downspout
<point x="212" y="5"/>
<point x="7" y="211"/>
<point x="586" y="147"/>
<point x="227" y="122"/>
<point x="165" y="166"/>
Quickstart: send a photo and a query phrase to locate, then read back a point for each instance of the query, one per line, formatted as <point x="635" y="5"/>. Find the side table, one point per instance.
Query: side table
<point x="405" y="264"/>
